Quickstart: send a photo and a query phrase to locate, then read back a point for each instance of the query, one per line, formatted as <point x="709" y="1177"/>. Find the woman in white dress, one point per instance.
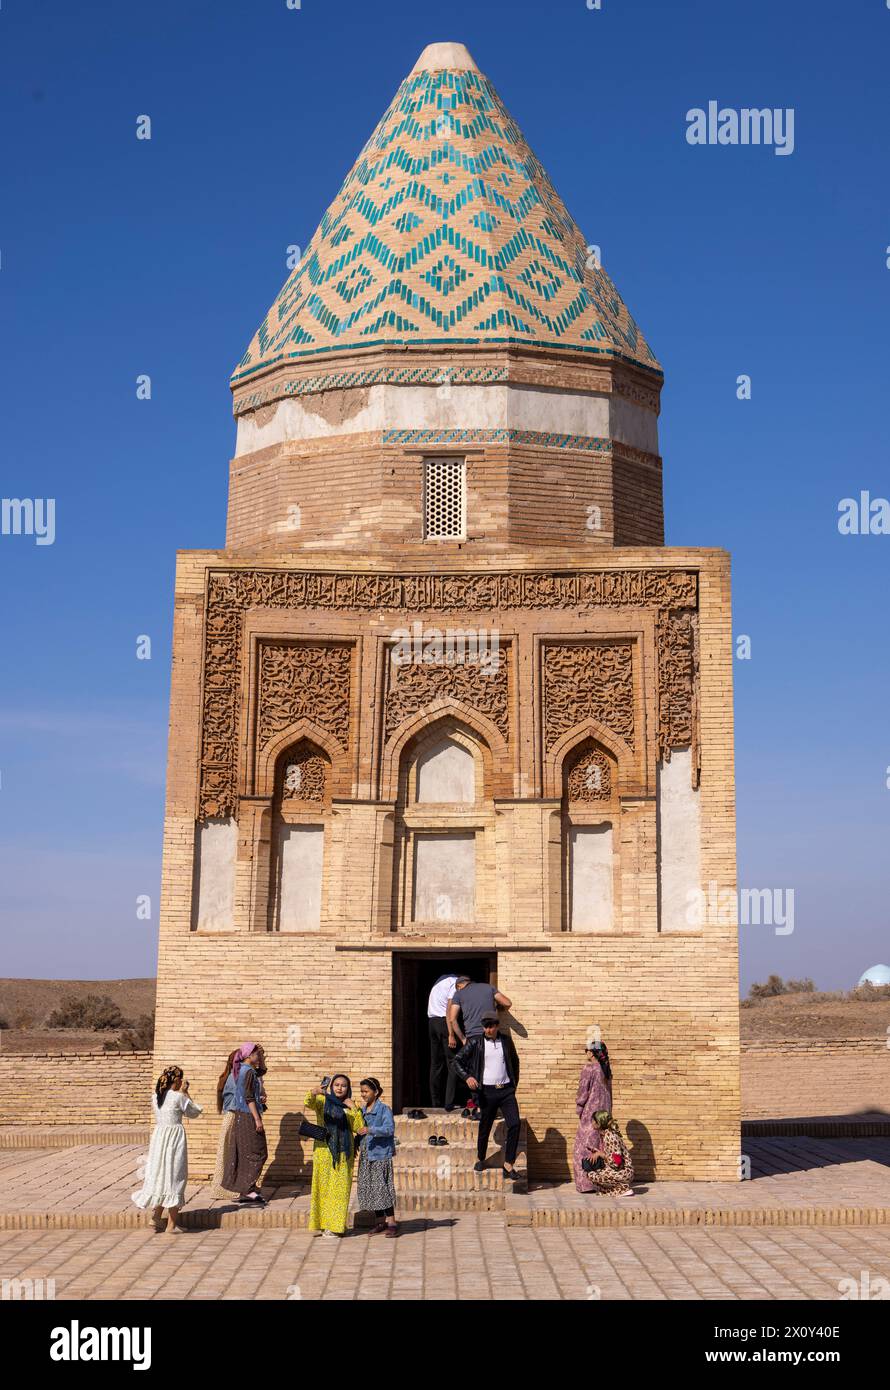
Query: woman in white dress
<point x="166" y="1171"/>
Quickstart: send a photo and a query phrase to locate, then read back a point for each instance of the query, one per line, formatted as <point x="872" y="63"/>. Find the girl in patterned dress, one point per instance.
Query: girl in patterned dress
<point x="608" y="1163"/>
<point x="333" y="1156"/>
<point x="376" y="1188"/>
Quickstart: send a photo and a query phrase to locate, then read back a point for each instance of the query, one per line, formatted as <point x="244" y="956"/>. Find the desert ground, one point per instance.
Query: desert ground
<point x="25" y="1006"/>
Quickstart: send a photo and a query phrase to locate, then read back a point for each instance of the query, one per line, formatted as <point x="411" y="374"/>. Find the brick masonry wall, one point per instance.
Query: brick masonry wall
<point x="76" y="1088"/>
<point x="781" y="1079"/>
<point x="814" y="1077"/>
<point x="667" y="1002"/>
<point x="357" y="492"/>
<point x="317" y="1009"/>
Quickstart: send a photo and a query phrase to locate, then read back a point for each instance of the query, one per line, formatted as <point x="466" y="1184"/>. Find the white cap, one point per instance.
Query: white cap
<point x="439" y="56"/>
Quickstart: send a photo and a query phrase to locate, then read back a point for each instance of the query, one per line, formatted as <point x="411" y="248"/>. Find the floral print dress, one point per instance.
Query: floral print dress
<point x="617" y="1173"/>
<point x="594" y="1093"/>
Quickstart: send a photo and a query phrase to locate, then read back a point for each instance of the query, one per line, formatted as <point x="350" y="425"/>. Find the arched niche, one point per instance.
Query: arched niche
<point x="443" y="825"/>
<point x="443" y="765"/>
<point x="590" y="808"/>
<point x="300" y="817"/>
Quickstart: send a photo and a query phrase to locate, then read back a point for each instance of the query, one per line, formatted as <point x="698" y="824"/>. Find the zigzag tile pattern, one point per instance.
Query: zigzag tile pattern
<point x="446" y="230"/>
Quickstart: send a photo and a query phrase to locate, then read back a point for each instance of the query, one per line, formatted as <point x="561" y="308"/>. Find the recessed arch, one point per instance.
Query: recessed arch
<point x="432" y="722"/>
<point x="307" y="730"/>
<point x="587" y="730"/>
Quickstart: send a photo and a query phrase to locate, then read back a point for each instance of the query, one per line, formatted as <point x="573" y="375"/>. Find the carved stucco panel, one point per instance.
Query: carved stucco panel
<point x="671" y="594"/>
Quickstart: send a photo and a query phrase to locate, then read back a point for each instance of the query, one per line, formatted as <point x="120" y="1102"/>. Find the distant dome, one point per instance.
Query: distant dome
<point x="877" y="975"/>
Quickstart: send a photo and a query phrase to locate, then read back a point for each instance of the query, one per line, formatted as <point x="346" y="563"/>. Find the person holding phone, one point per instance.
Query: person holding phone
<point x="334" y="1156"/>
<point x="166" y="1169"/>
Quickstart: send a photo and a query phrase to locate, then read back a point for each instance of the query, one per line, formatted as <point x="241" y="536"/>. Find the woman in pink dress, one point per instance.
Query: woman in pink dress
<point x="594" y="1093"/>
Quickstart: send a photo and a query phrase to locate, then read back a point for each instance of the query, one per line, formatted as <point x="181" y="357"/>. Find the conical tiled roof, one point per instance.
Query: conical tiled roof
<point x="446" y="230"/>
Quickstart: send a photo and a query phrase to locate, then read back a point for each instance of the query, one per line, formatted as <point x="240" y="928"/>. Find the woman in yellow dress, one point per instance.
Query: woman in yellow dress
<point x="333" y="1156"/>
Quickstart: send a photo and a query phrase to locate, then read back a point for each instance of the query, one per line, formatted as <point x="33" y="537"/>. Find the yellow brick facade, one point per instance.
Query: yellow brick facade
<point x="666" y="1002"/>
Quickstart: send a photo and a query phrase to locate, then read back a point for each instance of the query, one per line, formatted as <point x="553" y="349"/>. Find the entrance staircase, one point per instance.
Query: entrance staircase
<point x="441" y="1177"/>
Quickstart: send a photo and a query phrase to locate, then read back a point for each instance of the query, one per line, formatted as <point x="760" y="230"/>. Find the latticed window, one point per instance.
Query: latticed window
<point x="444" y="499"/>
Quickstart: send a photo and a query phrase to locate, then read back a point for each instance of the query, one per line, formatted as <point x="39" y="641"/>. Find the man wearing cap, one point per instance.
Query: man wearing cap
<point x="490" y="1066"/>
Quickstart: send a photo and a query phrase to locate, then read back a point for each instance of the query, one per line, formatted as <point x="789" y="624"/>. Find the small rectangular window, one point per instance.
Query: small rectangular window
<point x="444" y="499"/>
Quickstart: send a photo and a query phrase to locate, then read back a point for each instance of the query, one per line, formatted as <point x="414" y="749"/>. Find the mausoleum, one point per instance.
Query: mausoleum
<point x="445" y="699"/>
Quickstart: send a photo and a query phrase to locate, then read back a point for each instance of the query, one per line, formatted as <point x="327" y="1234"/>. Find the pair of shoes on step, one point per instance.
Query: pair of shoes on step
<point x="435" y="1139"/>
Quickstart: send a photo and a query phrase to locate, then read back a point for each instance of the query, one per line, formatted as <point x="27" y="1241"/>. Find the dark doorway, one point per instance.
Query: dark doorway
<point x="413" y="975"/>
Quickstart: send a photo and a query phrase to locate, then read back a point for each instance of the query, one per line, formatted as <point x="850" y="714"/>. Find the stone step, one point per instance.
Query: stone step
<point x="419" y="1200"/>
<point x="458" y="1178"/>
<point x="452" y="1126"/>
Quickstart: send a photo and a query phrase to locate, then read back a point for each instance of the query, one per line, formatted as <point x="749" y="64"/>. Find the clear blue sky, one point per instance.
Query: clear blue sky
<point x="122" y="257"/>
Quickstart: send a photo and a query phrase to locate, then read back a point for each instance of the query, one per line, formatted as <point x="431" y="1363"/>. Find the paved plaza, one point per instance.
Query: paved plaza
<point x="466" y="1256"/>
<point x="793" y="1181"/>
<point x="811" y="1222"/>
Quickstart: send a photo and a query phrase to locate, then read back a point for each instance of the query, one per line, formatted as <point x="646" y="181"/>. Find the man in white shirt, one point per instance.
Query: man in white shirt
<point x="490" y="1066"/>
<point x="440" y="1046"/>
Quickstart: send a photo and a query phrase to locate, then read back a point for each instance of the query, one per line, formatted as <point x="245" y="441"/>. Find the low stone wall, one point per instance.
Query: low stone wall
<point x="790" y="1078"/>
<point x="781" y="1079"/>
<point x="76" y="1088"/>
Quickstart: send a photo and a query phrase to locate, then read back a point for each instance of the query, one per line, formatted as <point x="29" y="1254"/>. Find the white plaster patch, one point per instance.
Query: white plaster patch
<point x="495" y="406"/>
<point x="445" y="877"/>
<point x="679" y="841"/>
<point x="591" y="872"/>
<point x="302" y="859"/>
<point x="446" y="772"/>
<point x="215" y="850"/>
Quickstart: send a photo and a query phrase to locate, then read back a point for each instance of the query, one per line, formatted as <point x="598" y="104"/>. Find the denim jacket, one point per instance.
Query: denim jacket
<point x="233" y="1091"/>
<point x="380" y="1141"/>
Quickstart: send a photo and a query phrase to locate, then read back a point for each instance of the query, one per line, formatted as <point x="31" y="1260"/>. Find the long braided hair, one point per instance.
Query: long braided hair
<point x="166" y="1081"/>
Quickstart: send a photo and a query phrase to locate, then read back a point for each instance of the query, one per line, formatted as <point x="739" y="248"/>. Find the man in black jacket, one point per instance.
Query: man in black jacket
<point x="490" y="1066"/>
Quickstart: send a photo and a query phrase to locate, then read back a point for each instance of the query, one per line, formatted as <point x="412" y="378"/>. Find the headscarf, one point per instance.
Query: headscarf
<point x="601" y="1053"/>
<point x="241" y="1055"/>
<point x="165" y="1082"/>
<point x="603" y="1119"/>
<point x="336" y="1124"/>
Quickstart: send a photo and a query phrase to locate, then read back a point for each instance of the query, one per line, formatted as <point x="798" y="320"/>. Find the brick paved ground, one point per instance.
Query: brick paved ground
<point x="792" y="1179"/>
<point x="466" y="1256"/>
